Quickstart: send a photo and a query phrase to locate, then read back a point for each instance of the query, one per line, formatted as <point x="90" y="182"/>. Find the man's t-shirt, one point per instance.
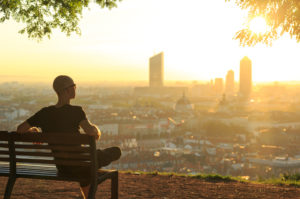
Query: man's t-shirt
<point x="64" y="119"/>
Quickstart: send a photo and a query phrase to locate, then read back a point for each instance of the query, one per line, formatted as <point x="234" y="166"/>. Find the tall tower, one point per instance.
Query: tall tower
<point x="229" y="82"/>
<point x="245" y="77"/>
<point x="156" y="70"/>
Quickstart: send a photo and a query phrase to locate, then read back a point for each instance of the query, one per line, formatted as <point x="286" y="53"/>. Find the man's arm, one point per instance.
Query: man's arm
<point x="90" y="129"/>
<point x="24" y="127"/>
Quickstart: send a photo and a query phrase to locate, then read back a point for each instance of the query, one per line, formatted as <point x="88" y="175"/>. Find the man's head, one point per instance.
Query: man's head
<point x="63" y="84"/>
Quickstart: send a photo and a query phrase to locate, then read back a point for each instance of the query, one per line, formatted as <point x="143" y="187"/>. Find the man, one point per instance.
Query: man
<point x="66" y="118"/>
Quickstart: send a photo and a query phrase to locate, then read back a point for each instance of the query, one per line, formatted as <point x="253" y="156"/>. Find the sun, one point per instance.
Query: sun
<point x="258" y="25"/>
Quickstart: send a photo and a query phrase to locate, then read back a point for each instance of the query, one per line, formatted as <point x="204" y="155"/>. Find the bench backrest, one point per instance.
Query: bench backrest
<point x="49" y="149"/>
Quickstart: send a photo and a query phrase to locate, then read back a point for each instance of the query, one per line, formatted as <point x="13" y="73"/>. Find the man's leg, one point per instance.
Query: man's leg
<point x="85" y="184"/>
<point x="108" y="155"/>
<point x="105" y="157"/>
<point x="85" y="191"/>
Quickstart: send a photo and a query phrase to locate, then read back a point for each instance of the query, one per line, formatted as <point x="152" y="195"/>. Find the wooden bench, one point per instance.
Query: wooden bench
<point x="21" y="157"/>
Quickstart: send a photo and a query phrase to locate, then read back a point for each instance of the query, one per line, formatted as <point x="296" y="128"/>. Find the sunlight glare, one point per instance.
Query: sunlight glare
<point x="258" y="25"/>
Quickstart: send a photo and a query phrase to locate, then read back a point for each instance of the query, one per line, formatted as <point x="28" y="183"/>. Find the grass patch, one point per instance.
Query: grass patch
<point x="215" y="178"/>
<point x="286" y="179"/>
<point x="207" y="177"/>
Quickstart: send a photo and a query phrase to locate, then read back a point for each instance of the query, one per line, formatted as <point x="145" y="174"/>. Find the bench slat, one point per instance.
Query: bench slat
<point x="4" y="170"/>
<point x="58" y="162"/>
<point x="52" y="138"/>
<point x="35" y="167"/>
<point x="4" y="159"/>
<point x="3" y="145"/>
<point x="37" y="172"/>
<point x="4" y="152"/>
<point x="102" y="175"/>
<point x="57" y="147"/>
<point x="76" y="156"/>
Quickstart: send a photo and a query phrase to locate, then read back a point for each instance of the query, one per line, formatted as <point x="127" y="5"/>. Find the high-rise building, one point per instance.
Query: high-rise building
<point x="156" y="70"/>
<point x="229" y="82"/>
<point x="245" y="77"/>
<point x="219" y="85"/>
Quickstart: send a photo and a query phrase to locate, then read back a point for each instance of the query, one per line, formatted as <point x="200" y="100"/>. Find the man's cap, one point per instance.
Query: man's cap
<point x="62" y="82"/>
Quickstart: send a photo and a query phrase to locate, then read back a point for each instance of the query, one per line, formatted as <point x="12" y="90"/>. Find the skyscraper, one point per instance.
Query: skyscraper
<point x="156" y="70"/>
<point x="229" y="82"/>
<point x="245" y="77"/>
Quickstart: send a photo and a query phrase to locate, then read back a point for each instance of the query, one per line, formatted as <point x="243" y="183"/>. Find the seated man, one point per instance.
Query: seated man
<point x="65" y="118"/>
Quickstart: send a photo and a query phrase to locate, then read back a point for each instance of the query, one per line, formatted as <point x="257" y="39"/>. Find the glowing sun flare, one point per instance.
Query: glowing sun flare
<point x="258" y="25"/>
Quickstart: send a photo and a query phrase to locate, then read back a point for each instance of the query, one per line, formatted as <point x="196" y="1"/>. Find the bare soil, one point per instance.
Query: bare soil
<point x="151" y="186"/>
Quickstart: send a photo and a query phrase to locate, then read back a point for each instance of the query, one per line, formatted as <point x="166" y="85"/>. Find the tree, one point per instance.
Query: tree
<point x="282" y="16"/>
<point x="41" y="16"/>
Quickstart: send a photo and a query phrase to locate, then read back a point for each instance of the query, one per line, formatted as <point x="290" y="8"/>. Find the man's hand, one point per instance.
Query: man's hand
<point x="98" y="135"/>
<point x="35" y="130"/>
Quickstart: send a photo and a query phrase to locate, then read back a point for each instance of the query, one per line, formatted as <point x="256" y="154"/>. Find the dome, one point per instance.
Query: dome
<point x="183" y="100"/>
<point x="183" y="104"/>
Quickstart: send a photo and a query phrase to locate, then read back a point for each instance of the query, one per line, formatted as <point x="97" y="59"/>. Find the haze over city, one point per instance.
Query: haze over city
<point x="166" y="98"/>
<point x="115" y="45"/>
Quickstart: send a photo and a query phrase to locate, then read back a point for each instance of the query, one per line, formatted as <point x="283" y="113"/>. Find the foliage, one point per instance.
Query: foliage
<point x="282" y="16"/>
<point x="42" y="16"/>
<point x="291" y="177"/>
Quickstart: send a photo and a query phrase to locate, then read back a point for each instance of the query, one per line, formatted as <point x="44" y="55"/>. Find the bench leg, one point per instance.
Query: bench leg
<point x="115" y="186"/>
<point x="9" y="187"/>
<point x="92" y="191"/>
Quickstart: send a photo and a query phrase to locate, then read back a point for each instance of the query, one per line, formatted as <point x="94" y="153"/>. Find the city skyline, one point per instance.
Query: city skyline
<point x="116" y="44"/>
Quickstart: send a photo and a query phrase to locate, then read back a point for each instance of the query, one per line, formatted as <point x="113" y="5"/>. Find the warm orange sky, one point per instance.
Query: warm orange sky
<point x="196" y="38"/>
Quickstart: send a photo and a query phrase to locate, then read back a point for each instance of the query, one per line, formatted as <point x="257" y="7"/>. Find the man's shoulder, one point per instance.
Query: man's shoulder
<point x="66" y="108"/>
<point x="47" y="108"/>
<point x="75" y="108"/>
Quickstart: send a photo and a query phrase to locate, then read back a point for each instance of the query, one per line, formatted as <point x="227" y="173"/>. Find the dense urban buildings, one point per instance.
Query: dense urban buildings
<point x="156" y="70"/>
<point x="183" y="134"/>
<point x="245" y="77"/>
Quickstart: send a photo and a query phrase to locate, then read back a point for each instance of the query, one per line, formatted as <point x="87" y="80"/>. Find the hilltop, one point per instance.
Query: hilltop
<point x="154" y="186"/>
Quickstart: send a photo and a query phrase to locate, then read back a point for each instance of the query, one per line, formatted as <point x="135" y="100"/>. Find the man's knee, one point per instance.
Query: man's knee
<point x="116" y="151"/>
<point x="119" y="152"/>
<point x="113" y="153"/>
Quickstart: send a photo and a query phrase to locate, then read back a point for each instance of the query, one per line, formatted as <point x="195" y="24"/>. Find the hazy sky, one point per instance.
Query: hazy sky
<point x="196" y="37"/>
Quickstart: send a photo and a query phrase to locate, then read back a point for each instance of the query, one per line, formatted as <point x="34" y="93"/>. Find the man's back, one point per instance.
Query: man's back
<point x="65" y="119"/>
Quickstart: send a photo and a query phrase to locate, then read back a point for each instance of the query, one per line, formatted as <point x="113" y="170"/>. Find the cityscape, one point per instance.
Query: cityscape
<point x="150" y="99"/>
<point x="233" y="128"/>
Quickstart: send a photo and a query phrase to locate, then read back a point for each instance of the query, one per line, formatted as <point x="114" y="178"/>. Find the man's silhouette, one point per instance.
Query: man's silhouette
<point x="66" y="118"/>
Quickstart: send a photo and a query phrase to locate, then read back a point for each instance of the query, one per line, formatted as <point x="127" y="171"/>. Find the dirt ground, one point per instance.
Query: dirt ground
<point x="151" y="186"/>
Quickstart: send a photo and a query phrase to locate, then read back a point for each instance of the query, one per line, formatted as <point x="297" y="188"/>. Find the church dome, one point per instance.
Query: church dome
<point x="183" y="104"/>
